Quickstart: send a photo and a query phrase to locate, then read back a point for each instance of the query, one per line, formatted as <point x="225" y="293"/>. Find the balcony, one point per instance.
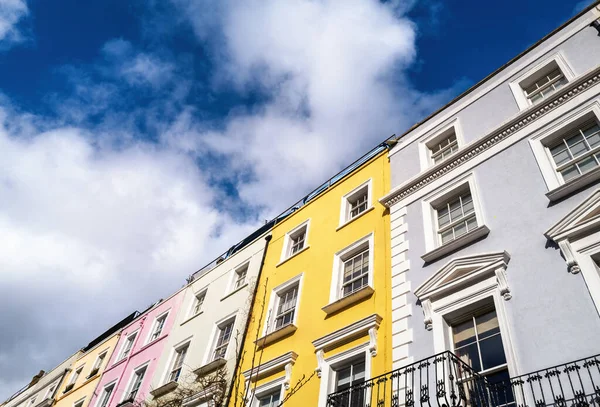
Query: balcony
<point x="443" y="380"/>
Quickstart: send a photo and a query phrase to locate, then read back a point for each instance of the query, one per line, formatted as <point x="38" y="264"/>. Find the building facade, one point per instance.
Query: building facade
<point x="205" y="340"/>
<point x="321" y="315"/>
<point x="127" y="376"/>
<point x="78" y="387"/>
<point x="495" y="240"/>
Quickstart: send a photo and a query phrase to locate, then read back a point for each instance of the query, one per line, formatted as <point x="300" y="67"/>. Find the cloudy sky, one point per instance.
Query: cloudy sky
<point x="139" y="139"/>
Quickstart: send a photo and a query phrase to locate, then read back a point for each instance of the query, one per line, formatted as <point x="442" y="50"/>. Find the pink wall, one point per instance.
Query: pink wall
<point x="142" y="353"/>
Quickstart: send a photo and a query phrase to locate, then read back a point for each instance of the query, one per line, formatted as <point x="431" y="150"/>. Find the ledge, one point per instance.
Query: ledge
<point x="293" y="255"/>
<point x="192" y="317"/>
<point x="276" y="335"/>
<point x="47" y="402"/>
<point x="92" y="374"/>
<point x="124" y="403"/>
<point x="164" y="389"/>
<point x="456" y="244"/>
<point x="348" y="300"/>
<point x="574" y="185"/>
<point x="369" y="209"/>
<point x="210" y="367"/>
<point x="235" y="291"/>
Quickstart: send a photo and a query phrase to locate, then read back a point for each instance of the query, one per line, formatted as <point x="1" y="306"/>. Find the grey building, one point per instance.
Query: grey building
<point x="495" y="238"/>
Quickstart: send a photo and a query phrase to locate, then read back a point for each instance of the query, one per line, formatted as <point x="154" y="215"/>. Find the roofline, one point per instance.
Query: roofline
<point x="497" y="71"/>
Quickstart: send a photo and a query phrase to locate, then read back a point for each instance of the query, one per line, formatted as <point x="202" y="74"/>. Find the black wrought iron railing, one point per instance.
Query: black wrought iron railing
<point x="443" y="380"/>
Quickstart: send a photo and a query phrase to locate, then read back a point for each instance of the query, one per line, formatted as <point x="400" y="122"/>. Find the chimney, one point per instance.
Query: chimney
<point x="36" y="378"/>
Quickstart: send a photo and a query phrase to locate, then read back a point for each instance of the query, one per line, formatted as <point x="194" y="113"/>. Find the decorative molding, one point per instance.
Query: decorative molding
<point x="271" y="366"/>
<point x="469" y="237"/>
<point x="373" y="341"/>
<point x="164" y="389"/>
<point x="427" y="314"/>
<point x="503" y="283"/>
<point x="320" y="362"/>
<point x="344" y="302"/>
<point x="356" y="329"/>
<point x="288" y="375"/>
<point x="210" y="367"/>
<point x="276" y="335"/>
<point x="477" y="147"/>
<point x="565" y="248"/>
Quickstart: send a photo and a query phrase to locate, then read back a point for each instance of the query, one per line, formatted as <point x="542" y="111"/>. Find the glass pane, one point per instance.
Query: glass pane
<point x="570" y="172"/>
<point x="560" y="154"/>
<point x="463" y="333"/>
<point x="455" y="210"/>
<point x="447" y="236"/>
<point x="443" y="217"/>
<point x="536" y="97"/>
<point x="577" y="146"/>
<point x="501" y="389"/>
<point x="468" y="205"/>
<point x="560" y="83"/>
<point x="487" y="325"/>
<point x="492" y="352"/>
<point x="460" y="229"/>
<point x="587" y="164"/>
<point x="472" y="223"/>
<point x="593" y="136"/>
<point x="344" y="378"/>
<point x="470" y="355"/>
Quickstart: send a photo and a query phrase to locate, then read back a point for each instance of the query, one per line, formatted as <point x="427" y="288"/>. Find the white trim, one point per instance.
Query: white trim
<point x="439" y="196"/>
<point x="129" y="386"/>
<point x="435" y="135"/>
<point x="214" y="336"/>
<point x="516" y="84"/>
<point x="264" y="389"/>
<point x="154" y="323"/>
<point x="112" y="393"/>
<point x="500" y="78"/>
<point x="338" y="265"/>
<point x="286" y="241"/>
<point x="328" y="365"/>
<point x="345" y="204"/>
<point x="233" y="273"/>
<point x="125" y="340"/>
<point x="169" y="366"/>
<point x="81" y="400"/>
<point x="191" y="313"/>
<point x="272" y="366"/>
<point x="274" y="301"/>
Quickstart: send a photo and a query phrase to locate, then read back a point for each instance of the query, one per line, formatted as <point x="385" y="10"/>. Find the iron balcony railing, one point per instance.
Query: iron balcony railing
<point x="443" y="380"/>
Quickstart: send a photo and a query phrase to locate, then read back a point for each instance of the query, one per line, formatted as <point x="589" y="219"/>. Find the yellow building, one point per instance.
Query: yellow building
<point x="322" y="309"/>
<point x="78" y="386"/>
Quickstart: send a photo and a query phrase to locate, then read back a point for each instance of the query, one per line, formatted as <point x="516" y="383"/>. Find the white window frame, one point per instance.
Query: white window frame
<point x="129" y="386"/>
<point x="81" y="400"/>
<point x="99" y="360"/>
<point x="341" y="256"/>
<point x="269" y="318"/>
<point x="435" y="136"/>
<point x="208" y="357"/>
<point x="264" y="389"/>
<point x="231" y="288"/>
<point x="204" y="292"/>
<point x="112" y="393"/>
<point x="170" y="366"/>
<point x="75" y="375"/>
<point x="287" y="241"/>
<point x="431" y="201"/>
<point x="51" y="389"/>
<point x="164" y="315"/>
<point x="124" y="345"/>
<point x="546" y="136"/>
<point x="329" y="365"/>
<point x="516" y="85"/>
<point x="345" y="206"/>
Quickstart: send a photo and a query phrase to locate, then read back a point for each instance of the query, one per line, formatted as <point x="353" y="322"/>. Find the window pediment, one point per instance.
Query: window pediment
<point x="582" y="219"/>
<point x="460" y="272"/>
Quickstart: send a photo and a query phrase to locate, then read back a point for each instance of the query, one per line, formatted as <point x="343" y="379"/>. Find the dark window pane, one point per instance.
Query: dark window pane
<point x="501" y="388"/>
<point x="470" y="355"/>
<point x="492" y="352"/>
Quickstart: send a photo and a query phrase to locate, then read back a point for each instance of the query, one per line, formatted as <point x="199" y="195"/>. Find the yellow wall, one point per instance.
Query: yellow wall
<point x="85" y="387"/>
<point x="317" y="264"/>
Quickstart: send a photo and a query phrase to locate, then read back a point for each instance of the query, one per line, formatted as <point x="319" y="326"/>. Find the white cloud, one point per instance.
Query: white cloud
<point x="11" y="12"/>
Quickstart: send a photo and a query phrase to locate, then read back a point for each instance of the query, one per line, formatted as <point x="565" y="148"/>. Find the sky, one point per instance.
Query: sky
<point x="140" y="139"/>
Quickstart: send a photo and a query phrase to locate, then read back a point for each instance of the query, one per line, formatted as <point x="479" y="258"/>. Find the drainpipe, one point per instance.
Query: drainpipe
<point x="239" y="355"/>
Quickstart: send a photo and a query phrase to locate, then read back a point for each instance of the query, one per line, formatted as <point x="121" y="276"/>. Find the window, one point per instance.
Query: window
<point x="240" y="277"/>
<point x="286" y="307"/>
<point x="137" y="383"/>
<point x="73" y="379"/>
<point x="577" y="151"/>
<point x="478" y="342"/>
<point x="456" y="217"/>
<point x="78" y="403"/>
<point x="444" y="148"/>
<point x="178" y="363"/>
<point x="50" y="391"/>
<point x="128" y="345"/>
<point x="223" y="336"/>
<point x="270" y="399"/>
<point x="32" y="401"/>
<point x="356" y="273"/>
<point x="346" y="376"/>
<point x="198" y="302"/>
<point x="97" y="364"/>
<point x="355" y="203"/>
<point x="295" y="241"/>
<point x="544" y="84"/>
<point x="159" y="324"/>
<point x="105" y="398"/>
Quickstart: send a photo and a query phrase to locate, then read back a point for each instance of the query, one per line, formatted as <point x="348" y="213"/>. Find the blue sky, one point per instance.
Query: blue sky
<point x="140" y="139"/>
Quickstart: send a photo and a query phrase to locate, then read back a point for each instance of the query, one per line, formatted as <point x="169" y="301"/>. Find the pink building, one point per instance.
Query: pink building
<point x="130" y="369"/>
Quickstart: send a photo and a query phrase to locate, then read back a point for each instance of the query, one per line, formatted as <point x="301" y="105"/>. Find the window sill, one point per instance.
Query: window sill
<point x="449" y="247"/>
<point x="210" y="367"/>
<point x="164" y="389"/>
<point x="369" y="209"/>
<point x="118" y="362"/>
<point x="573" y="185"/>
<point x="192" y="317"/>
<point x="348" y="300"/>
<point x="276" y="335"/>
<point x="293" y="255"/>
<point x="235" y="291"/>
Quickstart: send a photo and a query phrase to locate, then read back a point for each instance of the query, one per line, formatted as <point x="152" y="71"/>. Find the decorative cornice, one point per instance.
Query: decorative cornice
<point x="479" y="146"/>
<point x="357" y="328"/>
<point x="278" y="363"/>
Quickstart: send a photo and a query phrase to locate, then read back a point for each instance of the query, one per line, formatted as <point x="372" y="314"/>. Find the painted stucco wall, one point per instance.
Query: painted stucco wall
<point x="122" y="371"/>
<point x="551" y="316"/>
<point x="316" y="264"/>
<point x="221" y="301"/>
<point x="84" y="386"/>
